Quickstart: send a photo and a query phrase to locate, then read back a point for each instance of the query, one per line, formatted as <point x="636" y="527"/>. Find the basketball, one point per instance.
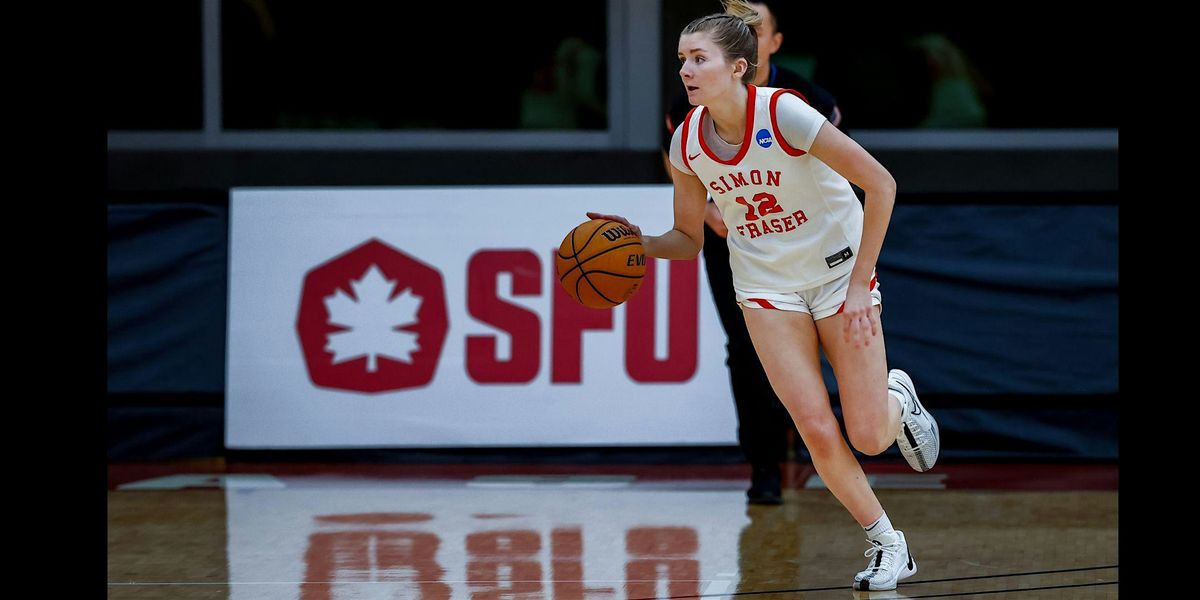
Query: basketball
<point x="601" y="263"/>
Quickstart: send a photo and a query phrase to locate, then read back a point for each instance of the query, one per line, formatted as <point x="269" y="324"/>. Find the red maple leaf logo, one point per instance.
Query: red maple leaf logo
<point x="372" y="320"/>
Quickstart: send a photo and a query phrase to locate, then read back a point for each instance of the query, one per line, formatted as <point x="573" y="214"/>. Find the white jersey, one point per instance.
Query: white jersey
<point x="794" y="223"/>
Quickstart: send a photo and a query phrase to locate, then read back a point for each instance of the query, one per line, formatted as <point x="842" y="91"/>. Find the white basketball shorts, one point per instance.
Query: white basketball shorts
<point x="820" y="302"/>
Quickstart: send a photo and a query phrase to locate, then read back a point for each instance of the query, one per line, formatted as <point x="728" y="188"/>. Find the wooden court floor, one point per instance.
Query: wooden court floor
<point x="333" y="532"/>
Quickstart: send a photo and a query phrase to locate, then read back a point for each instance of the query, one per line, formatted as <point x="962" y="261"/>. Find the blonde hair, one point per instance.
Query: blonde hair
<point x="733" y="32"/>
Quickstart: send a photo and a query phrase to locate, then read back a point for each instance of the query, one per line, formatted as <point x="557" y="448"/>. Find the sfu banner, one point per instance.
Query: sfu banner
<point x="433" y="316"/>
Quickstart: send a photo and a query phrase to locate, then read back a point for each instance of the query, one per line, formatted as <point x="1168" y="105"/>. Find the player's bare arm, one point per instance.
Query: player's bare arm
<point x="686" y="237"/>
<point x="851" y="161"/>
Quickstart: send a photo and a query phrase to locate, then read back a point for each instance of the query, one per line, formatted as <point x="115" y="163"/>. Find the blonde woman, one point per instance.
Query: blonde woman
<point x="802" y="250"/>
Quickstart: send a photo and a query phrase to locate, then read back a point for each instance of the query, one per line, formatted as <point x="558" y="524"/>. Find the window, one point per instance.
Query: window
<point x="916" y="68"/>
<point x="967" y="75"/>
<point x="385" y="66"/>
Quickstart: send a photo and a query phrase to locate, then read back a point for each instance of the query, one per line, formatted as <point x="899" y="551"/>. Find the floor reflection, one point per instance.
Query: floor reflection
<point x="454" y="541"/>
<point x="587" y="538"/>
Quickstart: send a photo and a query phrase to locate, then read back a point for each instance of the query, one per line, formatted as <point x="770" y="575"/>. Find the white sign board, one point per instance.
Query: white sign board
<point x="433" y="316"/>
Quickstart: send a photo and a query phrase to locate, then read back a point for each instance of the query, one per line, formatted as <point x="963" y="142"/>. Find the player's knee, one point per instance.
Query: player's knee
<point x="820" y="433"/>
<point x="868" y="439"/>
<point x="873" y="447"/>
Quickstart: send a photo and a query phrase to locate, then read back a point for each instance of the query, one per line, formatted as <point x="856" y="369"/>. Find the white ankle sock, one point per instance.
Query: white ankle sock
<point x="881" y="526"/>
<point x="899" y="398"/>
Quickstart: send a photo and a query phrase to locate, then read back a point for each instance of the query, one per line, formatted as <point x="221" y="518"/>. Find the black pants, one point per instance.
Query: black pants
<point x="763" y="422"/>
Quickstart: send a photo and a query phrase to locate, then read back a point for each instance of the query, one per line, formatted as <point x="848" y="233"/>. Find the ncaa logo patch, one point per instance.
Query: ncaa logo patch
<point x="763" y="137"/>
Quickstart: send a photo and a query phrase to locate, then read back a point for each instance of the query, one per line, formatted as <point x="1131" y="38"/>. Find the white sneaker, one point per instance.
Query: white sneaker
<point x="890" y="562"/>
<point x="918" y="440"/>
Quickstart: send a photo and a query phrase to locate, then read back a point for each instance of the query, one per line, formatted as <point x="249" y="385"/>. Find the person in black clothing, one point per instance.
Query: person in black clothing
<point x="763" y="422"/>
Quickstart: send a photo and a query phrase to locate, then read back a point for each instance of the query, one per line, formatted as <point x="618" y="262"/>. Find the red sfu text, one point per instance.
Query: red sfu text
<point x="569" y="319"/>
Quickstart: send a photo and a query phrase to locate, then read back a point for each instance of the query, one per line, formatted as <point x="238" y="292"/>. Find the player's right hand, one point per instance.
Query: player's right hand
<point x="617" y="218"/>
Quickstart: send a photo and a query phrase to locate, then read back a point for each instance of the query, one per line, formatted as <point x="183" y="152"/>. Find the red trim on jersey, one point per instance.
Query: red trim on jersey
<point x="775" y="124"/>
<point x="763" y="303"/>
<point x="874" y="278"/>
<point x="683" y="142"/>
<point x="751" y="93"/>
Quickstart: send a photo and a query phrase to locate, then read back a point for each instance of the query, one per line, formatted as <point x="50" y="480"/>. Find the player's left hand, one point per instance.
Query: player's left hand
<point x="861" y="324"/>
<point x="617" y="218"/>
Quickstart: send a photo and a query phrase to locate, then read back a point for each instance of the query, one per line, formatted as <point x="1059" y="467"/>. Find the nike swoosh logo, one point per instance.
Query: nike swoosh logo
<point x="693" y="157"/>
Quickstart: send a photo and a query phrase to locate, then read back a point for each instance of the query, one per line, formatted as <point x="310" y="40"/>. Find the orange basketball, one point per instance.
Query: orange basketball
<point x="601" y="263"/>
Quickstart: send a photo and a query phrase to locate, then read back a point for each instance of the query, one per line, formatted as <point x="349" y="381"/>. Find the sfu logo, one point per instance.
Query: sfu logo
<point x="372" y="320"/>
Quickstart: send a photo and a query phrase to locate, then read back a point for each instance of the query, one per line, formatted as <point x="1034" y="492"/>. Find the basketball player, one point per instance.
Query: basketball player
<point x="763" y="423"/>
<point x="802" y="251"/>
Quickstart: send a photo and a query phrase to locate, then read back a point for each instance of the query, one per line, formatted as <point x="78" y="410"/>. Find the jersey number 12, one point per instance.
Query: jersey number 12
<point x="766" y="204"/>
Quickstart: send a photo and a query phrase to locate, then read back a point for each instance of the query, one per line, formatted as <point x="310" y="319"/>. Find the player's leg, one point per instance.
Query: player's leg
<point x="787" y="345"/>
<point x="879" y="406"/>
<point x="872" y="417"/>
<point x="874" y="406"/>
<point x="872" y="420"/>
